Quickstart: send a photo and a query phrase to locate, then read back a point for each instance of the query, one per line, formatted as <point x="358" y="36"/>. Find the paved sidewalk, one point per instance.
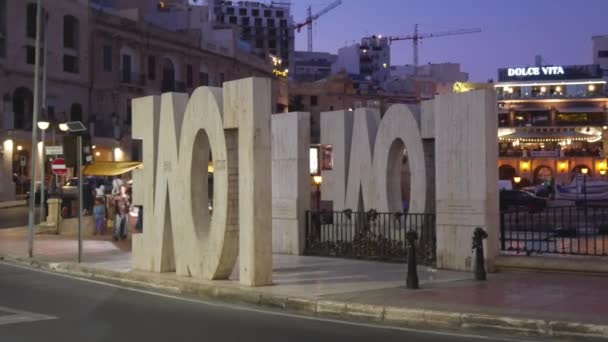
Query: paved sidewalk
<point x="12" y="204"/>
<point x="537" y="304"/>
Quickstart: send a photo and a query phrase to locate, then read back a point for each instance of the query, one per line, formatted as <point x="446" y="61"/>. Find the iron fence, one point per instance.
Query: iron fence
<point x="369" y="235"/>
<point x="555" y="230"/>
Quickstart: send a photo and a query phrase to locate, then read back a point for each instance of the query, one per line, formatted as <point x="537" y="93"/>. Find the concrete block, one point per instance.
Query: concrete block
<point x="465" y="175"/>
<point x="364" y="312"/>
<point x="404" y="317"/>
<point x="327" y="308"/>
<point x="301" y="305"/>
<point x="530" y="327"/>
<point x="272" y="301"/>
<point x="337" y="131"/>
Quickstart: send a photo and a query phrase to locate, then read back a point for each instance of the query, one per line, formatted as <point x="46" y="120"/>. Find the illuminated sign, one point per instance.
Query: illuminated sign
<point x="281" y="73"/>
<point x="536" y="71"/>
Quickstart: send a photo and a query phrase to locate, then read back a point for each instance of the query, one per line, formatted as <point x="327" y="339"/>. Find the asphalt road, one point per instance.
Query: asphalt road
<point x="16" y="217"/>
<point x="36" y="306"/>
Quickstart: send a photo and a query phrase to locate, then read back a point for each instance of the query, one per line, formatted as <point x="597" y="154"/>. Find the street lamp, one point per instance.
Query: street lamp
<point x="318" y="180"/>
<point x="63" y="127"/>
<point x="585" y="171"/>
<point x="43" y="125"/>
<point x="516" y="179"/>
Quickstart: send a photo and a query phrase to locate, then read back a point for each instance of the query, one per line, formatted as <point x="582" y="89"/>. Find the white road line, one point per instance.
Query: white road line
<point x="268" y="312"/>
<point x="20" y="316"/>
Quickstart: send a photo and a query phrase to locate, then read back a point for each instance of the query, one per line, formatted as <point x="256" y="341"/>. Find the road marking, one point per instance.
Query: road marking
<point x="268" y="312"/>
<point x="13" y="316"/>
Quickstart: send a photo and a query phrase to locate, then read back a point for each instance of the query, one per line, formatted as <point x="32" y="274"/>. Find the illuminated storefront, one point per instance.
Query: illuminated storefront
<point x="552" y="122"/>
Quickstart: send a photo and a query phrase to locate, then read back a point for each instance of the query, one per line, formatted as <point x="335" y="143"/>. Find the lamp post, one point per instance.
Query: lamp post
<point x="318" y="179"/>
<point x="585" y="171"/>
<point x="43" y="125"/>
<point x="35" y="111"/>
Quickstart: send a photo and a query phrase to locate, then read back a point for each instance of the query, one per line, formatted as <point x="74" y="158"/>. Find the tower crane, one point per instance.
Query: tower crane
<point x="310" y="18"/>
<point x="416" y="37"/>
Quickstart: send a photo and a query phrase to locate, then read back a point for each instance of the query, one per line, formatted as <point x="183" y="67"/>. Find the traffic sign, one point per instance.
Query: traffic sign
<point x="58" y="167"/>
<point x="54" y="150"/>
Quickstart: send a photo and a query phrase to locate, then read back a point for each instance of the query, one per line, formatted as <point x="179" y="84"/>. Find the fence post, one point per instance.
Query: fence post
<point x="502" y="231"/>
<point x="480" y="270"/>
<point x="412" y="268"/>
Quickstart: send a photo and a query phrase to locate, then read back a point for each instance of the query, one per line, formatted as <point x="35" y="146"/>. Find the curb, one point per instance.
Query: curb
<point x="379" y="314"/>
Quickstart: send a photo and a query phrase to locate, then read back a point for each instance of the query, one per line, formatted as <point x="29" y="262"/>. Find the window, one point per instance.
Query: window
<point x="70" y="64"/>
<point x="272" y="32"/>
<point x="70" y="32"/>
<point x="258" y="22"/>
<point x="242" y="11"/>
<point x="126" y="68"/>
<point x="31" y="21"/>
<point x="107" y="58"/>
<point x="151" y="68"/>
<point x="602" y="54"/>
<point x="129" y="112"/>
<point x="283" y="23"/>
<point x="204" y="77"/>
<point x="189" y="80"/>
<point x="30" y="55"/>
<point x="267" y="13"/>
<point x="233" y="20"/>
<point x="230" y="11"/>
<point x="259" y="44"/>
<point x="255" y="12"/>
<point x="222" y="78"/>
<point x="272" y="44"/>
<point x="314" y="100"/>
<point x="2" y="28"/>
<point x="279" y="14"/>
<point x="270" y="23"/>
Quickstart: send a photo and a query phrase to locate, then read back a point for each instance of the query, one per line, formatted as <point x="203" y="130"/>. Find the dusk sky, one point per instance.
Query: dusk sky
<point x="513" y="31"/>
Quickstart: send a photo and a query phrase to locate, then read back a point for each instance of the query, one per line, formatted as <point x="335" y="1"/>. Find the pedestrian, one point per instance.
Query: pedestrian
<point x="122" y="210"/>
<point x="100" y="217"/>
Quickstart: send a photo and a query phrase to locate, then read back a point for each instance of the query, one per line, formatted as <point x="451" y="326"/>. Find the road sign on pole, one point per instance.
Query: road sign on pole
<point x="54" y="150"/>
<point x="58" y="167"/>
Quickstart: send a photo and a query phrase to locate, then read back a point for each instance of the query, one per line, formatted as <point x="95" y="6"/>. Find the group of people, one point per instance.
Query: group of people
<point x="119" y="206"/>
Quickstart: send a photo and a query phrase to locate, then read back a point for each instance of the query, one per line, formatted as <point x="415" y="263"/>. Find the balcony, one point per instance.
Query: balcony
<point x="515" y="96"/>
<point x="132" y="78"/>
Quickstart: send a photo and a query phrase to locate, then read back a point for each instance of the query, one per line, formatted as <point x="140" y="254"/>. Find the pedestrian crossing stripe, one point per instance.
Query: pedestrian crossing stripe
<point x="13" y="316"/>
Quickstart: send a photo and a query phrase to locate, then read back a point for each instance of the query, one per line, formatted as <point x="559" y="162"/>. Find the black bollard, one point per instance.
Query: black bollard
<point x="480" y="268"/>
<point x="412" y="269"/>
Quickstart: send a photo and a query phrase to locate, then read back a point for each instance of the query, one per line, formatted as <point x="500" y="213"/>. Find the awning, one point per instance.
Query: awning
<point x="580" y="109"/>
<point x="547" y="135"/>
<point x="102" y="168"/>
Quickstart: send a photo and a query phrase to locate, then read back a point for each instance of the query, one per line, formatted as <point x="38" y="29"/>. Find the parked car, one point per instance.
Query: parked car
<point x="517" y="199"/>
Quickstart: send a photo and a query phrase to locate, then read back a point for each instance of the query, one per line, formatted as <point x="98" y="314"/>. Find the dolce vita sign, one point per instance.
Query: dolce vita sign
<point x="177" y="136"/>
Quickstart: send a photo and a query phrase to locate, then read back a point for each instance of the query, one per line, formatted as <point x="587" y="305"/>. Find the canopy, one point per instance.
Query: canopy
<point x="102" y="168"/>
<point x="553" y="136"/>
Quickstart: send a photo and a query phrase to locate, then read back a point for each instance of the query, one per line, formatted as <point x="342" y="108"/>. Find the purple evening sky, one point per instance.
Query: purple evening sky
<point x="513" y="31"/>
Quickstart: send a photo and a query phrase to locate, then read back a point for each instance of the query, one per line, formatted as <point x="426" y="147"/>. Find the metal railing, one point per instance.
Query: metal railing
<point x="574" y="230"/>
<point x="369" y="235"/>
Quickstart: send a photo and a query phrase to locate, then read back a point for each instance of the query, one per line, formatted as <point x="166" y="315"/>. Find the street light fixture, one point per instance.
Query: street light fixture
<point x="63" y="127"/>
<point x="317" y="179"/>
<point x="517" y="179"/>
<point x="43" y="125"/>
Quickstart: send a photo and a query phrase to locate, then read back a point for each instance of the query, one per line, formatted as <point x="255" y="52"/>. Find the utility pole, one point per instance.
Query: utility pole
<point x="36" y="110"/>
<point x="42" y="166"/>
